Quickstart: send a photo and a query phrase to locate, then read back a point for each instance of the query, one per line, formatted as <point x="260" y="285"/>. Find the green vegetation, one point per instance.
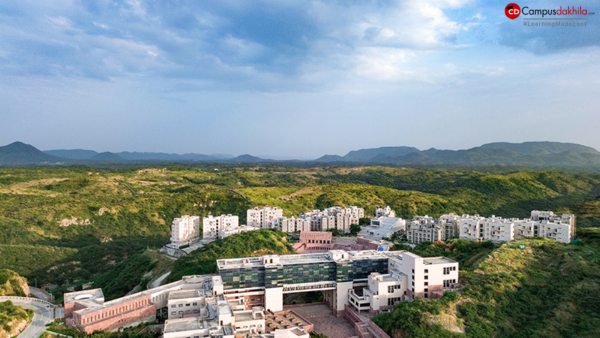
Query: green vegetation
<point x="246" y="244"/>
<point x="11" y="284"/>
<point x="11" y="316"/>
<point x="59" y="225"/>
<point x="548" y="289"/>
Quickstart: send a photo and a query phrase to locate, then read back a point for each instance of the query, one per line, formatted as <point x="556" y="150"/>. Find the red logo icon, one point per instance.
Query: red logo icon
<point x="512" y="11"/>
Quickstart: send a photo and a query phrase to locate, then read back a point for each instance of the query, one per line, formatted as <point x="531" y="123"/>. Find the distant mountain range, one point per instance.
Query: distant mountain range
<point x="529" y="154"/>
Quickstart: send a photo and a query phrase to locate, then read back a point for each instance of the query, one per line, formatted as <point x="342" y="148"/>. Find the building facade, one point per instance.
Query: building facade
<point x="387" y="211"/>
<point x="185" y="231"/>
<point x="217" y="227"/>
<point x="262" y="218"/>
<point x="383" y="227"/>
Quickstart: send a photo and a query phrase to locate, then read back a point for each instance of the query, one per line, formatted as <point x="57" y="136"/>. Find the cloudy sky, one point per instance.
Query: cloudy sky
<point x="292" y="78"/>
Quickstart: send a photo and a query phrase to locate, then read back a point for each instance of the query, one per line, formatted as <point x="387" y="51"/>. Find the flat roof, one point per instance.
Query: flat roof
<point x="309" y="258"/>
<point x="185" y="294"/>
<point x="438" y="260"/>
<point x="183" y="324"/>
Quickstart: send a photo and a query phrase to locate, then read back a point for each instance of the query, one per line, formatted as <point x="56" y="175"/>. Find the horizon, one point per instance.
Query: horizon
<point x="281" y="158"/>
<point x="302" y="78"/>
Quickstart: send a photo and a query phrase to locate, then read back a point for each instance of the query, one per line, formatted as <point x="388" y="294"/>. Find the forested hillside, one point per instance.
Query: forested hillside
<point x="59" y="225"/>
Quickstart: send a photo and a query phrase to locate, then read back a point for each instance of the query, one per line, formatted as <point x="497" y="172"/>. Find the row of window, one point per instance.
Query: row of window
<point x="448" y="269"/>
<point x="447" y="282"/>
<point x="391" y="288"/>
<point x="181" y="305"/>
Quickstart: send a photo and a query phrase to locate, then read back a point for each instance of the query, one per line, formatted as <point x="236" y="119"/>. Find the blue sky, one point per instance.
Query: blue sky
<point x="292" y="78"/>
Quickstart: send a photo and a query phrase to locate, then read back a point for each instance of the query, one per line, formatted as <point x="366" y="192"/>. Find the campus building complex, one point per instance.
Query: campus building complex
<point x="246" y="291"/>
<point x="474" y="227"/>
<point x="541" y="224"/>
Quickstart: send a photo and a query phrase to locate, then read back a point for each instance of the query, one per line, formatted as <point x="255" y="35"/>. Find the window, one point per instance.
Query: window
<point x="426" y="290"/>
<point x="426" y="295"/>
<point x="188" y="304"/>
<point x="173" y="313"/>
<point x="426" y="283"/>
<point x="413" y="270"/>
<point x="447" y="270"/>
<point x="180" y="305"/>
<point x="426" y="277"/>
<point x="426" y="270"/>
<point x="195" y="304"/>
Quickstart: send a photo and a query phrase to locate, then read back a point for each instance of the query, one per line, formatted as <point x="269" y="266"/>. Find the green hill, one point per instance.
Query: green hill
<point x="246" y="244"/>
<point x="58" y="225"/>
<point x="548" y="289"/>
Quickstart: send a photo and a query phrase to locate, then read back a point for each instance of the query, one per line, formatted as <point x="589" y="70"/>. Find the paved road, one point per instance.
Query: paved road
<point x="39" y="294"/>
<point x="43" y="315"/>
<point x="159" y="280"/>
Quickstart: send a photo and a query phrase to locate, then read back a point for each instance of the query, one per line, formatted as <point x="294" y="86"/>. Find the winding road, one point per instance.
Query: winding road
<point x="43" y="314"/>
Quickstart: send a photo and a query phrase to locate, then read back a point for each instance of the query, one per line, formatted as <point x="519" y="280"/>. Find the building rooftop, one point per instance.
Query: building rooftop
<point x="437" y="260"/>
<point x="183" y="324"/>
<point x="309" y="258"/>
<point x="185" y="294"/>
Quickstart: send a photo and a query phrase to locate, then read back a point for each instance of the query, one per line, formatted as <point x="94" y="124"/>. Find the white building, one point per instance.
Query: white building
<point x="334" y="218"/>
<point x="541" y="224"/>
<point x="408" y="276"/>
<point x="291" y="224"/>
<point x="383" y="226"/>
<point x="387" y="211"/>
<point x="215" y="227"/>
<point x="185" y="231"/>
<point x="262" y="218"/>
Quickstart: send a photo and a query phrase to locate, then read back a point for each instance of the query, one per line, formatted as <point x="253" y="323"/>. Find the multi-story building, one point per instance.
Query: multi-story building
<point x="334" y="218"/>
<point x="290" y="224"/>
<point x="450" y="226"/>
<point x="185" y="231"/>
<point x="235" y="301"/>
<point x="383" y="227"/>
<point x="262" y="218"/>
<point x="387" y="211"/>
<point x="541" y="224"/>
<point x="216" y="227"/>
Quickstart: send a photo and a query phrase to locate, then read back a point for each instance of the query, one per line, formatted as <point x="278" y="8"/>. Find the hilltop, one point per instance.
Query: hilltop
<point x="21" y="153"/>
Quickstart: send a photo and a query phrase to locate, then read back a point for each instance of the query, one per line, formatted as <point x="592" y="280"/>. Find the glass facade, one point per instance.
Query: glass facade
<point x="279" y="276"/>
<point x="361" y="269"/>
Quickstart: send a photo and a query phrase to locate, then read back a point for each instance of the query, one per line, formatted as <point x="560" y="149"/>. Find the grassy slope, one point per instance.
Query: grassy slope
<point x="547" y="290"/>
<point x="11" y="284"/>
<point x="11" y="314"/>
<point x="254" y="243"/>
